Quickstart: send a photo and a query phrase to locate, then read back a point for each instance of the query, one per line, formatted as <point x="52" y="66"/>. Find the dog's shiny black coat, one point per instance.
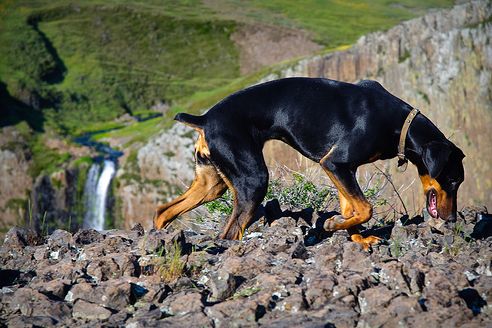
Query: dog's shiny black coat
<point x="353" y="123"/>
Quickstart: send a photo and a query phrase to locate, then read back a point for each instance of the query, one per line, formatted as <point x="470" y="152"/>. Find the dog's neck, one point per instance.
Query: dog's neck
<point x="421" y="132"/>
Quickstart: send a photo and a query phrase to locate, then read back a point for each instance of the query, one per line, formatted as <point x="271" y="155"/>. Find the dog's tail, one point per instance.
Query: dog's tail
<point x="197" y="122"/>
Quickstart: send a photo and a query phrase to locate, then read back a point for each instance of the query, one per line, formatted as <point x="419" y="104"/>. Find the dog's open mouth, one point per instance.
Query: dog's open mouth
<point x="432" y="203"/>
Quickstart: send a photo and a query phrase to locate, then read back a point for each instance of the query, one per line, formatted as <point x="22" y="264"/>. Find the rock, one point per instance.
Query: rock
<point x="222" y="285"/>
<point x="320" y="290"/>
<point x="114" y="294"/>
<point x="89" y="311"/>
<point x="374" y="299"/>
<point x="197" y="319"/>
<point x="103" y="269"/>
<point x="300" y="251"/>
<point x="59" y="238"/>
<point x="139" y="229"/>
<point x="160" y="241"/>
<point x="19" y="238"/>
<point x="31" y="321"/>
<point x="30" y="302"/>
<point x="88" y="236"/>
<point x="182" y="303"/>
<point x="235" y="313"/>
<point x="57" y="288"/>
<point x="354" y="258"/>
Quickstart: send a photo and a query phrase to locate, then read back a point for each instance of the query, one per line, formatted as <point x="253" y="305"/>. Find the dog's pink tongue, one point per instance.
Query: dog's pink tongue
<point x="433" y="206"/>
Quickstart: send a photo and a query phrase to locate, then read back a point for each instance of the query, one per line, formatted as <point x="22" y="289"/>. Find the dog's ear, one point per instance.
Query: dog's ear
<point x="435" y="155"/>
<point x="459" y="153"/>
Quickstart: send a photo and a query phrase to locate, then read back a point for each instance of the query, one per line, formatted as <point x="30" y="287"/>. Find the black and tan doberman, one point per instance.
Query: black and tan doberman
<point x="339" y="125"/>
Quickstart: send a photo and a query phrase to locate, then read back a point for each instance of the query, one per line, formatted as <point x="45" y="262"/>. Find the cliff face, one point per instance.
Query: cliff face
<point x="160" y="169"/>
<point x="14" y="179"/>
<point x="440" y="63"/>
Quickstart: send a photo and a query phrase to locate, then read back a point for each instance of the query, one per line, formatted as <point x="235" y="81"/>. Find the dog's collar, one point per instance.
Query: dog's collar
<point x="402" y="160"/>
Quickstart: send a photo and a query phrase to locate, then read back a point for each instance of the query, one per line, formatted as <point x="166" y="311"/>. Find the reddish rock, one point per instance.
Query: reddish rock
<point x="89" y="311"/>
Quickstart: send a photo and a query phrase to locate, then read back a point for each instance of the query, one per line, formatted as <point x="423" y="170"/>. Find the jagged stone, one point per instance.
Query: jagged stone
<point x="21" y="237"/>
<point x="222" y="285"/>
<point x="89" y="311"/>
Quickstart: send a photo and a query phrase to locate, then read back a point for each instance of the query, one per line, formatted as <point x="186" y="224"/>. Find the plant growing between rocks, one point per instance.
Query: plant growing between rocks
<point x="169" y="265"/>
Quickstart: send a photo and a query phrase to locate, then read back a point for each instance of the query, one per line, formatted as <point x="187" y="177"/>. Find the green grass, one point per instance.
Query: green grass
<point x="92" y="62"/>
<point x="331" y="22"/>
<point x="169" y="265"/>
<point x="45" y="160"/>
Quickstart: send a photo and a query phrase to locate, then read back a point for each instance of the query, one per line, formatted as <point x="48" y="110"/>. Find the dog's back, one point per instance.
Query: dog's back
<point x="310" y="114"/>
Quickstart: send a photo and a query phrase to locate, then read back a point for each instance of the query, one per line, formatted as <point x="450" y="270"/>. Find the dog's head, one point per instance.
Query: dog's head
<point x="442" y="176"/>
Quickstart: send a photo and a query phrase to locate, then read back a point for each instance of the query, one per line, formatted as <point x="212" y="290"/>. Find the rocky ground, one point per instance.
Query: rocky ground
<point x="286" y="272"/>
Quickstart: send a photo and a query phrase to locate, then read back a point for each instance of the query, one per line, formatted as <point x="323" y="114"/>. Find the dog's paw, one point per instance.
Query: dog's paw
<point x="367" y="242"/>
<point x="333" y="223"/>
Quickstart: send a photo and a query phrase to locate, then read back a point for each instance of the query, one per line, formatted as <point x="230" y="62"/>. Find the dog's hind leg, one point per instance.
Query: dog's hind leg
<point x="354" y="206"/>
<point x="207" y="186"/>
<point x="247" y="177"/>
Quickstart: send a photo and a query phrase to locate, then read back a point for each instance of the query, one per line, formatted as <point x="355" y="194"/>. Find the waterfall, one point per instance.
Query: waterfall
<point x="96" y="191"/>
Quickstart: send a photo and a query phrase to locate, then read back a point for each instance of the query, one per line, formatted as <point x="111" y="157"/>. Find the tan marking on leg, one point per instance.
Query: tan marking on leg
<point x="346" y="208"/>
<point x="328" y="154"/>
<point x="207" y="186"/>
<point x="362" y="210"/>
<point x="367" y="242"/>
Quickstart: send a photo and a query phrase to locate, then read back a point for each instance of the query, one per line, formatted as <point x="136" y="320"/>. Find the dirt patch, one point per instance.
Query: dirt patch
<point x="262" y="46"/>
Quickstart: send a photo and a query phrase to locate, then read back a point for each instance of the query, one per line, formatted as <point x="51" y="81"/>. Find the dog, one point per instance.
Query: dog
<point x="339" y="125"/>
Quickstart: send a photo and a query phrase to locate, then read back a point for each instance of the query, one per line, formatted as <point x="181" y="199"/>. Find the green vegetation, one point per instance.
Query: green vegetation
<point x="169" y="265"/>
<point x="460" y="239"/>
<point x="397" y="249"/>
<point x="300" y="193"/>
<point x="222" y="205"/>
<point x="86" y="63"/>
<point x="246" y="292"/>
<point x="91" y="63"/>
<point x="44" y="159"/>
<point x="82" y="164"/>
<point x="332" y="22"/>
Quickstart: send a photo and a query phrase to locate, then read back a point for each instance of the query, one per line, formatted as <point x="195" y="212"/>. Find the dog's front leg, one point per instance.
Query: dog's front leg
<point x="354" y="206"/>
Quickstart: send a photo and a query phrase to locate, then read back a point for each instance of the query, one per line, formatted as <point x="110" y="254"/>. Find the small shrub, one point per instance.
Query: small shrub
<point x="301" y="193"/>
<point x="169" y="264"/>
<point x="460" y="240"/>
<point x="246" y="292"/>
<point x="222" y="205"/>
<point x="396" y="248"/>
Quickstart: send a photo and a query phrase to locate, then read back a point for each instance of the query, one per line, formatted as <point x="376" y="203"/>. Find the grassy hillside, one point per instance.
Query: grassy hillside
<point x="75" y="67"/>
<point x="92" y="63"/>
<point x="331" y="22"/>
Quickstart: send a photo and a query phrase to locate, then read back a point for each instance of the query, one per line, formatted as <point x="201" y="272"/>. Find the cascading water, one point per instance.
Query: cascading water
<point x="96" y="191"/>
<point x="98" y="181"/>
<point x="90" y="195"/>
